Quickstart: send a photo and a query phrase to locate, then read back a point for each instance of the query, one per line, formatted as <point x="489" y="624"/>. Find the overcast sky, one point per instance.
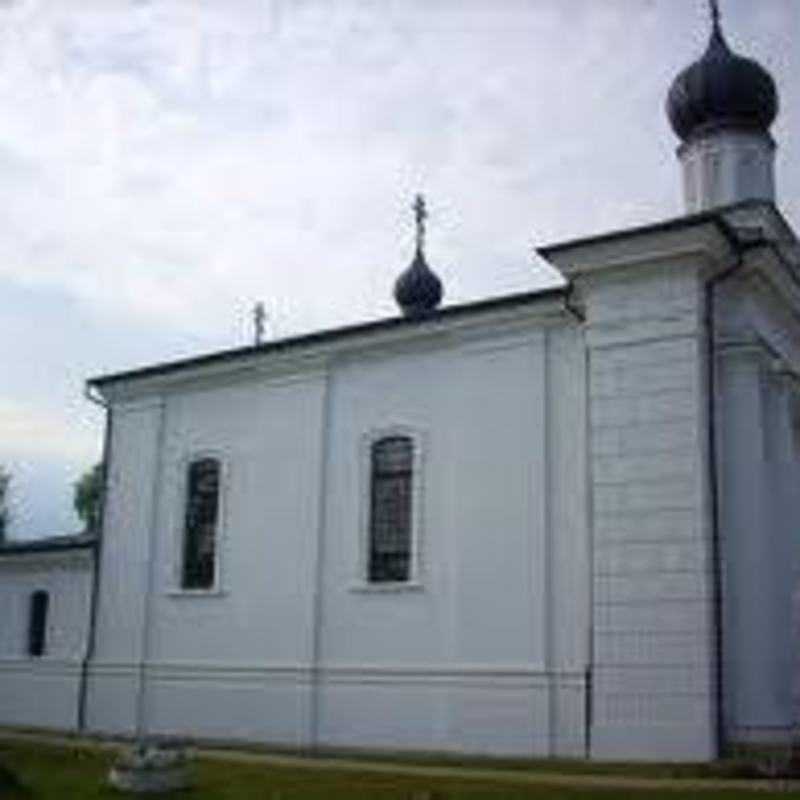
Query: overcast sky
<point x="164" y="164"/>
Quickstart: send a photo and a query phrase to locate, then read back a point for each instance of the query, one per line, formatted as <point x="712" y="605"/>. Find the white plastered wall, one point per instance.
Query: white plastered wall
<point x="653" y="690"/>
<point x="652" y="679"/>
<point x="488" y="654"/>
<point x="132" y="479"/>
<point x="725" y="167"/>
<point x="758" y="401"/>
<point x="232" y="662"/>
<point x="43" y="691"/>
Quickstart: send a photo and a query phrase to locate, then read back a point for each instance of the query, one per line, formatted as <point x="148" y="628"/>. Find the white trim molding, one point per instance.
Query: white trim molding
<point x="534" y="675"/>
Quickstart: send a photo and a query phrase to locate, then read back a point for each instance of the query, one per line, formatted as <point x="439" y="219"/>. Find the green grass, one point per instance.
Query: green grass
<point x="725" y="770"/>
<point x="62" y="773"/>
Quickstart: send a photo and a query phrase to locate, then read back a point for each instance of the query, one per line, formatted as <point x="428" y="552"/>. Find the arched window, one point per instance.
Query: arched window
<point x="200" y="524"/>
<point x="390" y="517"/>
<point x="37" y="630"/>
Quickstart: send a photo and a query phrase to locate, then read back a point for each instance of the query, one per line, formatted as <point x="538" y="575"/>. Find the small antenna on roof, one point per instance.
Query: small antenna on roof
<point x="259" y="320"/>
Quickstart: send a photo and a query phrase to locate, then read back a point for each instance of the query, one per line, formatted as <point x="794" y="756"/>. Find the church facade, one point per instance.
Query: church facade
<point x="556" y="523"/>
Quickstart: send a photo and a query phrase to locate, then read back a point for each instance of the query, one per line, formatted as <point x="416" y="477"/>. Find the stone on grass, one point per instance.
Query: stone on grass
<point x="150" y="769"/>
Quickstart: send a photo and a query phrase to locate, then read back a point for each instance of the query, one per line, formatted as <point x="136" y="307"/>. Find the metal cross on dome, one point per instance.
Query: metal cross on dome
<point x="714" y="5"/>
<point x="420" y="215"/>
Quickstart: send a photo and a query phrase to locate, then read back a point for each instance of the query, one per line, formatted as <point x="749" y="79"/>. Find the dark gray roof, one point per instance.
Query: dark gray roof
<point x="48" y="545"/>
<point x="334" y="334"/>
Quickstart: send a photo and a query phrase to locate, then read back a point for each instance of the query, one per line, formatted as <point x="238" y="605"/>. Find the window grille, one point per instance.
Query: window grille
<point x="390" y="509"/>
<point x="200" y="528"/>
<point x="37" y="632"/>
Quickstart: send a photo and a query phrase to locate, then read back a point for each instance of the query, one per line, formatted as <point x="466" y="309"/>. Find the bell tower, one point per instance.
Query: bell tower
<point x="721" y="107"/>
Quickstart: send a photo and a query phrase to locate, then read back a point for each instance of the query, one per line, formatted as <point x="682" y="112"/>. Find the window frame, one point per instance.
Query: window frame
<point x="362" y="582"/>
<point x="42" y="638"/>
<point x="794" y="422"/>
<point x="216" y="589"/>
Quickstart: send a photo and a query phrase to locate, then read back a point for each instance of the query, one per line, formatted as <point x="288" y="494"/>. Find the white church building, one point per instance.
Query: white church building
<point x="560" y="523"/>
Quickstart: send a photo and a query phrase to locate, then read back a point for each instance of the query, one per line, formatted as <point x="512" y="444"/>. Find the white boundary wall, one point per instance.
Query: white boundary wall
<point x="43" y="692"/>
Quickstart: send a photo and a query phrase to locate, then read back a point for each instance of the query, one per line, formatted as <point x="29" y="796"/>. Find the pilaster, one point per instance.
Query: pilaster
<point x="758" y="512"/>
<point x="653" y="678"/>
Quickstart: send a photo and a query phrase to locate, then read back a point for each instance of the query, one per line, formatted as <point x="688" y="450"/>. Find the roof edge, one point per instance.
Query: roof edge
<point x="331" y="334"/>
<point x="51" y="544"/>
<point x="712" y="215"/>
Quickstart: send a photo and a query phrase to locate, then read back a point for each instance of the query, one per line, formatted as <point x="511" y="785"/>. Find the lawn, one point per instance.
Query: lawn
<point x="45" y="772"/>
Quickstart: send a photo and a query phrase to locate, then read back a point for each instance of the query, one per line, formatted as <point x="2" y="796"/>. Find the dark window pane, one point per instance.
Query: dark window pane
<point x="38" y="623"/>
<point x="390" y="510"/>
<point x="392" y="455"/>
<point x="202" y="507"/>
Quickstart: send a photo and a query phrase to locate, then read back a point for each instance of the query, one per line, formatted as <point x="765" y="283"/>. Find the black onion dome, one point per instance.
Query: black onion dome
<point x="721" y="90"/>
<point x="417" y="290"/>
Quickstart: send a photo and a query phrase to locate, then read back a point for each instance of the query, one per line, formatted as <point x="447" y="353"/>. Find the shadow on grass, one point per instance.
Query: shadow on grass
<point x="11" y="788"/>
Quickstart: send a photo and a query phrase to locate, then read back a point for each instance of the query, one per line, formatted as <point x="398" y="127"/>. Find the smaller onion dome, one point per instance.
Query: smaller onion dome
<point x="418" y="291"/>
<point x="721" y="90"/>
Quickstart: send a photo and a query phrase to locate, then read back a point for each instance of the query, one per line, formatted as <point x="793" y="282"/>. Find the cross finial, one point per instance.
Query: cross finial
<point x="259" y="317"/>
<point x="420" y="215"/>
<point x="714" y="5"/>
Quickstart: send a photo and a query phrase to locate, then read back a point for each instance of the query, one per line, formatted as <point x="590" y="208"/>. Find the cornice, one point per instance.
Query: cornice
<point x="301" y="361"/>
<point x="703" y="244"/>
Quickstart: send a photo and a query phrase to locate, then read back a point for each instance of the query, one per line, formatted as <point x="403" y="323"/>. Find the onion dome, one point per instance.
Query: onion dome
<point x="721" y="90"/>
<point x="418" y="291"/>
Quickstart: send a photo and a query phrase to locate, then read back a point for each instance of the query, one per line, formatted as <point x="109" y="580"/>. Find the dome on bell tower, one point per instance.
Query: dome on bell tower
<point x="721" y="90"/>
<point x="721" y="107"/>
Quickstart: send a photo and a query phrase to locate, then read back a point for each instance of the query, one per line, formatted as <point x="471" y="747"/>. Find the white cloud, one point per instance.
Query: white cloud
<point x="166" y="163"/>
<point x="38" y="432"/>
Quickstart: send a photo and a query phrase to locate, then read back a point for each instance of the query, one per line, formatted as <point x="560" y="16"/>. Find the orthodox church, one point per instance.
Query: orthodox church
<point x="558" y="523"/>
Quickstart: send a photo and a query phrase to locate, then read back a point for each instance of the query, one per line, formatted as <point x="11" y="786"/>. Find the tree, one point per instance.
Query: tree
<point x="88" y="498"/>
<point x="5" y="515"/>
